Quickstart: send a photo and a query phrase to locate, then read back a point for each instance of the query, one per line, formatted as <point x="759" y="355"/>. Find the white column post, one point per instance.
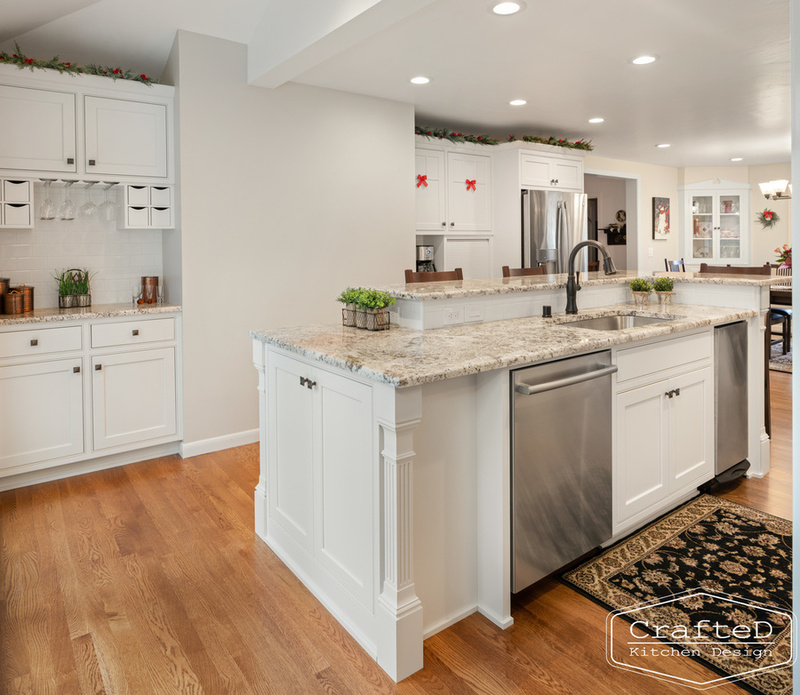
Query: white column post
<point x="260" y="494"/>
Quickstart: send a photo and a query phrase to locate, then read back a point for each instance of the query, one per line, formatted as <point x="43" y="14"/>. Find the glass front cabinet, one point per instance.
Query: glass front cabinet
<point x="717" y="222"/>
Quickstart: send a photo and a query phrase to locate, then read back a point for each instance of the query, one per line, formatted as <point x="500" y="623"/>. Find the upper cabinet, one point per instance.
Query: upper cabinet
<point x="84" y="127"/>
<point x="453" y="191"/>
<point x="560" y="173"/>
<point x="717" y="222"/>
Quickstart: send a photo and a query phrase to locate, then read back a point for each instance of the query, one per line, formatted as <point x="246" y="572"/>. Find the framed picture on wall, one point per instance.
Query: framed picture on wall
<point x="660" y="218"/>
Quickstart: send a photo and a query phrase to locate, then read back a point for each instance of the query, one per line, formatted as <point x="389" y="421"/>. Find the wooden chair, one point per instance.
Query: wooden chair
<point x="523" y="272"/>
<point x="736" y="270"/>
<point x="781" y="315"/>
<point x="438" y="276"/>
<point x="675" y="266"/>
<point x="593" y="266"/>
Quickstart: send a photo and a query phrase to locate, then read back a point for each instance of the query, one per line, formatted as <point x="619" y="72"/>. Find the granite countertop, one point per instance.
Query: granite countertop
<point x="406" y="357"/>
<point x="96" y="311"/>
<point x="472" y="288"/>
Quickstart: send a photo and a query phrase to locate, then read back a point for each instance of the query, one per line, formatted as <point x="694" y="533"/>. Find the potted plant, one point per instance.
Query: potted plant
<point x="82" y="282"/>
<point x="374" y="304"/>
<point x="66" y="289"/>
<point x="349" y="298"/>
<point x="663" y="287"/>
<point x="641" y="289"/>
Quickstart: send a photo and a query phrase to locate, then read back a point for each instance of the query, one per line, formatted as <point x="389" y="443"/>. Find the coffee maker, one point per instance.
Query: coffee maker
<point x="425" y="259"/>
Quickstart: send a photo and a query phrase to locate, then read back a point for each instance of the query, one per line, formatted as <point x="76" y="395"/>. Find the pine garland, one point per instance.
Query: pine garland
<point x="452" y="136"/>
<point x="22" y="61"/>
<point x="557" y="142"/>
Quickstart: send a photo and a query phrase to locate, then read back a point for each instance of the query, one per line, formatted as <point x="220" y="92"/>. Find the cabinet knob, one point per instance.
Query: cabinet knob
<point x="76" y="370"/>
<point x="452" y="224"/>
<point x="444" y="224"/>
<point x="34" y="342"/>
<point x="307" y="382"/>
<point x="98" y="368"/>
<point x="135" y="331"/>
<point x="556" y="182"/>
<point x="91" y="162"/>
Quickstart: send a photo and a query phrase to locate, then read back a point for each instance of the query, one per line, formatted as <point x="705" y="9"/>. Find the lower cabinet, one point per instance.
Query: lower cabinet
<point x="321" y="473"/>
<point x="664" y="441"/>
<point x="41" y="412"/>
<point x="133" y="397"/>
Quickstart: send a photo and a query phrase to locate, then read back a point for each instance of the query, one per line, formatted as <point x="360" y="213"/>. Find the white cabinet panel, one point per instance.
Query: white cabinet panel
<point x="692" y="429"/>
<point x="133" y="397"/>
<point x="430" y="190"/>
<point x="473" y="256"/>
<point x="557" y="173"/>
<point x="38" y="132"/>
<point x="125" y="137"/>
<point x="469" y="192"/>
<point x="41" y="412"/>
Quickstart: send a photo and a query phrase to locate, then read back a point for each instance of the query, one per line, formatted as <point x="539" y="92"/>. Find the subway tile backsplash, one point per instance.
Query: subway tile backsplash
<point x="117" y="257"/>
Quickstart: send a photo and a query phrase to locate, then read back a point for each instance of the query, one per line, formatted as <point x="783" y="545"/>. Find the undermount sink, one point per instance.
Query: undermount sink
<point x="616" y="322"/>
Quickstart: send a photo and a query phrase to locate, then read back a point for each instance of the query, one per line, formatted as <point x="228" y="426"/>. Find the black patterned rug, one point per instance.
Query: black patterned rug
<point x="778" y="362"/>
<point x="732" y="566"/>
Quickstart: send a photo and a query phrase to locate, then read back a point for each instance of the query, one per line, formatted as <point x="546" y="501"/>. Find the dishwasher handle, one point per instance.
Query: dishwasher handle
<point x="529" y="390"/>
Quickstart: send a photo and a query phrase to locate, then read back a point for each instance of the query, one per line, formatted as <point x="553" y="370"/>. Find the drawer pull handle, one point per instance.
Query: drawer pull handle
<point x="34" y="342"/>
<point x="76" y="370"/>
<point x="70" y="160"/>
<point x="91" y="162"/>
<point x="135" y="331"/>
<point x="98" y="367"/>
<point x="307" y="383"/>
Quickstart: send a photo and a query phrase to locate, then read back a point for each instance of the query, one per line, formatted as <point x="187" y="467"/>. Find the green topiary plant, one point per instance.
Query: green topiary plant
<point x="640" y="285"/>
<point x="663" y="284"/>
<point x="373" y="300"/>
<point x="349" y="296"/>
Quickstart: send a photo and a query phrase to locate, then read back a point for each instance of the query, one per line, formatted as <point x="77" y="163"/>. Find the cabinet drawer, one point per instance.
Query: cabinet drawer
<point x="138" y="217"/>
<point x="132" y="332"/>
<point x="39" y="342"/>
<point x="16" y="214"/>
<point x="640" y="361"/>
<point x="17" y="191"/>
<point x="160" y="196"/>
<point x="160" y="217"/>
<point x="138" y="195"/>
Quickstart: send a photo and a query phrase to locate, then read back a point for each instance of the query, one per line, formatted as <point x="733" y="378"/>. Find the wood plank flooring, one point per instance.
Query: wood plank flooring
<point x="148" y="580"/>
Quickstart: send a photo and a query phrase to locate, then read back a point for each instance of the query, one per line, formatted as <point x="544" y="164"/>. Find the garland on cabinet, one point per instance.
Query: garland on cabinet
<point x="453" y="136"/>
<point x="22" y="61"/>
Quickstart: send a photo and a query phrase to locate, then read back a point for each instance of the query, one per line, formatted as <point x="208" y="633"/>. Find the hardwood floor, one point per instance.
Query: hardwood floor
<point x="148" y="579"/>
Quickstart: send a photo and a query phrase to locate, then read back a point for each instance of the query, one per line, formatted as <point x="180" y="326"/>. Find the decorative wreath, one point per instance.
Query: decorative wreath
<point x="768" y="218"/>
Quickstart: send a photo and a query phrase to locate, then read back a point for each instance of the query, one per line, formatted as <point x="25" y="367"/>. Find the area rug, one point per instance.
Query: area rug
<point x="779" y="362"/>
<point x="711" y="550"/>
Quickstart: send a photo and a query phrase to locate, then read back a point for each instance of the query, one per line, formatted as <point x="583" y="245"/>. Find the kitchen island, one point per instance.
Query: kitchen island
<point x="385" y="456"/>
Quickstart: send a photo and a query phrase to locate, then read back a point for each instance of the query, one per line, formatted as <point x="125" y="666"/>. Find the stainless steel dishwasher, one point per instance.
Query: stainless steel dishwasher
<point x="560" y="463"/>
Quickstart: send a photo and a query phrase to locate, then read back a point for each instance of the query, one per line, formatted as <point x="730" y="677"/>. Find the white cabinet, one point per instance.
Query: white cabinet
<point x="453" y="191"/>
<point x="147" y="207"/>
<point x="16" y="203"/>
<point x="321" y="476"/>
<point x="91" y="127"/>
<point x="41" y="412"/>
<point x="133" y="397"/>
<point x="664" y="426"/>
<point x="86" y="390"/>
<point x="561" y="173"/>
<point x="717" y="222"/>
<point x="38" y="132"/>
<point x="125" y="137"/>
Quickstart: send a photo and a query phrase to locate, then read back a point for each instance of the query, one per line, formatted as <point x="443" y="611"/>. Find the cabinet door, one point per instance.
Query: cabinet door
<point x="568" y="174"/>
<point x="38" y="132"/>
<point x="691" y="423"/>
<point x="41" y="412"/>
<point x="344" y="483"/>
<point x="133" y="397"/>
<point x="536" y="171"/>
<point x="469" y="192"/>
<point x="430" y="190"/>
<point x="473" y="256"/>
<point x="125" y="137"/>
<point x="642" y="449"/>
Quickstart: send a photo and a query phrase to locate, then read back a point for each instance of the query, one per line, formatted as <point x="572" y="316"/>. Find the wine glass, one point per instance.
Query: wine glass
<point x="67" y="209"/>
<point x="88" y="209"/>
<point x="136" y="290"/>
<point x="46" y="209"/>
<point x="160" y="291"/>
<point x="108" y="210"/>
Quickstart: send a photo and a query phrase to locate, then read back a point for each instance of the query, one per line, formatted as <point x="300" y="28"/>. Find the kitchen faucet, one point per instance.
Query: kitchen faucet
<point x="573" y="284"/>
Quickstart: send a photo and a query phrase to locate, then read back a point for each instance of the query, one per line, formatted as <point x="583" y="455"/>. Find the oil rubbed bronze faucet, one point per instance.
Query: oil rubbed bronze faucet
<point x="573" y="285"/>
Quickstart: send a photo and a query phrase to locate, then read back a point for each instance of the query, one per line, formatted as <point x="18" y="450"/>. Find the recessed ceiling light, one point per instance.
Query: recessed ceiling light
<point x="736" y="159"/>
<point x="506" y="8"/>
<point x="517" y="102"/>
<point x="420" y="80"/>
<point x="643" y="60"/>
<point x="664" y="145"/>
<point x="596" y="120"/>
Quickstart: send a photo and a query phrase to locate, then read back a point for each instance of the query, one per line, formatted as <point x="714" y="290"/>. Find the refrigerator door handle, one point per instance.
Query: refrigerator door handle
<point x="526" y="230"/>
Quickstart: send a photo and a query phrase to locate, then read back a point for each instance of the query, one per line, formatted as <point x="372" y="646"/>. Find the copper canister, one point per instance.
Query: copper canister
<point x="27" y="297"/>
<point x="5" y="284"/>
<point x="149" y="289"/>
<point x="14" y="302"/>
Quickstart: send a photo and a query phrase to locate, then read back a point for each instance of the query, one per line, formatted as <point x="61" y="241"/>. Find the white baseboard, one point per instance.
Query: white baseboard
<point x="431" y="630"/>
<point x="67" y="470"/>
<point x="226" y="441"/>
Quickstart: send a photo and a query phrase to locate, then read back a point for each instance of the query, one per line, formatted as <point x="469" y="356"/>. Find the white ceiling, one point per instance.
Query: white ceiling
<point x="720" y="88"/>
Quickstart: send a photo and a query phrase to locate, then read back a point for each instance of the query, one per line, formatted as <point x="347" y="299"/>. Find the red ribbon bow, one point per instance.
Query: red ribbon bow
<point x="422" y="180"/>
<point x="471" y="185"/>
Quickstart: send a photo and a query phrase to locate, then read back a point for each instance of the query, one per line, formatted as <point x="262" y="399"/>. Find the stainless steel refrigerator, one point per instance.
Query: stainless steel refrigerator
<point x="552" y="223"/>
